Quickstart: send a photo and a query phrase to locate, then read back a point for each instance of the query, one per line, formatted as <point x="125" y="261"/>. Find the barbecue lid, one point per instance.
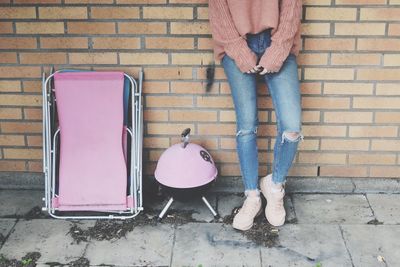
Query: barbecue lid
<point x="185" y="166"/>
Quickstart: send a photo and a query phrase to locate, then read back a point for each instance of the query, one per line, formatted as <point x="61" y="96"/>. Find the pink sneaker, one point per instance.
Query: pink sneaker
<point x="251" y="208"/>
<point x="274" y="193"/>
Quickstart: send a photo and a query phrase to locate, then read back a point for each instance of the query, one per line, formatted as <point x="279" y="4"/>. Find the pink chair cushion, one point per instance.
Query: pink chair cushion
<point x="92" y="168"/>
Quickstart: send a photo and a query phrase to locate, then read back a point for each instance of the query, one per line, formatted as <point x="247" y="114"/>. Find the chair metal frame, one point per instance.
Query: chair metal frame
<point x="50" y="144"/>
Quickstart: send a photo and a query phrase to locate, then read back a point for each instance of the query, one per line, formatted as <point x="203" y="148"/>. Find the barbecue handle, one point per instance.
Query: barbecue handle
<point x="185" y="132"/>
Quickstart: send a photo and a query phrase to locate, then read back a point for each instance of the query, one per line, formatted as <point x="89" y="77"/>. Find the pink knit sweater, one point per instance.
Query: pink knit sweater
<point x="231" y="20"/>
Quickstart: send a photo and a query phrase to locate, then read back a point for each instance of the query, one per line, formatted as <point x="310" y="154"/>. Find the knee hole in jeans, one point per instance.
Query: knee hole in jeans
<point x="243" y="132"/>
<point x="292" y="136"/>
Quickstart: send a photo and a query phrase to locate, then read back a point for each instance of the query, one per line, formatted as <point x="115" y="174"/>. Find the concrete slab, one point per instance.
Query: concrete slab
<point x="307" y="245"/>
<point x="19" y="202"/>
<point x="377" y="185"/>
<point x="213" y="244"/>
<point x="332" y="208"/>
<point x="48" y="237"/>
<point x="367" y="242"/>
<point x="21" y="180"/>
<point x="144" y="246"/>
<point x="318" y="185"/>
<point x="386" y="207"/>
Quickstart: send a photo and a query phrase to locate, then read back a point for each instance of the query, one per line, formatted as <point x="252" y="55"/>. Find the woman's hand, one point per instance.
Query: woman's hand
<point x="265" y="71"/>
<point x="256" y="69"/>
<point x="260" y="70"/>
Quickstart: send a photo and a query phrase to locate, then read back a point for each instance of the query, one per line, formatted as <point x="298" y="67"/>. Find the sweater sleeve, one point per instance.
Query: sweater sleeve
<point x="282" y="39"/>
<point x="225" y="34"/>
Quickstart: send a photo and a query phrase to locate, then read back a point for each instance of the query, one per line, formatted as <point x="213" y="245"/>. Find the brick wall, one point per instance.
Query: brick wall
<point x="349" y="68"/>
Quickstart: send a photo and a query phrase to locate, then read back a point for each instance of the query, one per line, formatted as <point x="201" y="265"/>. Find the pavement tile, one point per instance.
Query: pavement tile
<point x="386" y="207"/>
<point x="48" y="237"/>
<point x="332" y="208"/>
<point x="144" y="246"/>
<point x="213" y="244"/>
<point x="307" y="245"/>
<point x="379" y="185"/>
<point x="19" y="202"/>
<point x="319" y="184"/>
<point x="367" y="242"/>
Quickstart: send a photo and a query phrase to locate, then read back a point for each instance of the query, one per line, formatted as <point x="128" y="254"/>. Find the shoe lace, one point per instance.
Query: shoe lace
<point x="278" y="204"/>
<point x="248" y="207"/>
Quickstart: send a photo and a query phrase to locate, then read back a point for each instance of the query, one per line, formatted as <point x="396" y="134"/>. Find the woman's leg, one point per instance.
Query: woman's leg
<point x="244" y="93"/>
<point x="284" y="87"/>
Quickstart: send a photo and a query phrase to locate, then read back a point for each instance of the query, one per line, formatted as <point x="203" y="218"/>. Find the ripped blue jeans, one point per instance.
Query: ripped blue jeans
<point x="284" y="89"/>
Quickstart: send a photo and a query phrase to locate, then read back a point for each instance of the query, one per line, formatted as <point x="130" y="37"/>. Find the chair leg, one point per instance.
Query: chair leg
<point x="162" y="213"/>
<point x="209" y="207"/>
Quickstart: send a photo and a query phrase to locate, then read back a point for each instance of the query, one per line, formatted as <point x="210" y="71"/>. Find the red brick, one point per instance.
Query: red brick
<point x="40" y="27"/>
<point x="12" y="165"/>
<point x="115" y="13"/>
<point x="6" y="27"/>
<point x="10" y="86"/>
<point x="22" y="153"/>
<point x="8" y="57"/>
<point x="20" y="72"/>
<point x="10" y="113"/>
<point x="177" y="43"/>
<point x="37" y="1"/>
<point x="18" y="43"/>
<point x="63" y="13"/>
<point x="116" y="43"/>
<point x="378" y="44"/>
<point x="11" y="140"/>
<point x="93" y="58"/>
<point x="33" y="113"/>
<point x="43" y="58"/>
<point x="17" y="13"/>
<point x="91" y="27"/>
<point x="21" y="127"/>
<point x="385" y="171"/>
<point x="142" y="27"/>
<point x="64" y="42"/>
<point x="35" y="166"/>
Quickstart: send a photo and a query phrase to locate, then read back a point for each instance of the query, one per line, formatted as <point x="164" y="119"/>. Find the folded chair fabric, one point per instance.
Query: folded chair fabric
<point x="92" y="167"/>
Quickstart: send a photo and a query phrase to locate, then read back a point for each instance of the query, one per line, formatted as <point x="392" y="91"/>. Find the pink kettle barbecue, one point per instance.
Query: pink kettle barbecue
<point x="185" y="171"/>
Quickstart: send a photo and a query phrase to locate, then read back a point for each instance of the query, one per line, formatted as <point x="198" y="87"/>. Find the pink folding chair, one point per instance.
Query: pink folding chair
<point x="88" y="165"/>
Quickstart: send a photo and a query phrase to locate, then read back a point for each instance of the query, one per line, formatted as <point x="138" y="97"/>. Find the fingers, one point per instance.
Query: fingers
<point x="265" y="71"/>
<point x="255" y="69"/>
<point x="260" y="70"/>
